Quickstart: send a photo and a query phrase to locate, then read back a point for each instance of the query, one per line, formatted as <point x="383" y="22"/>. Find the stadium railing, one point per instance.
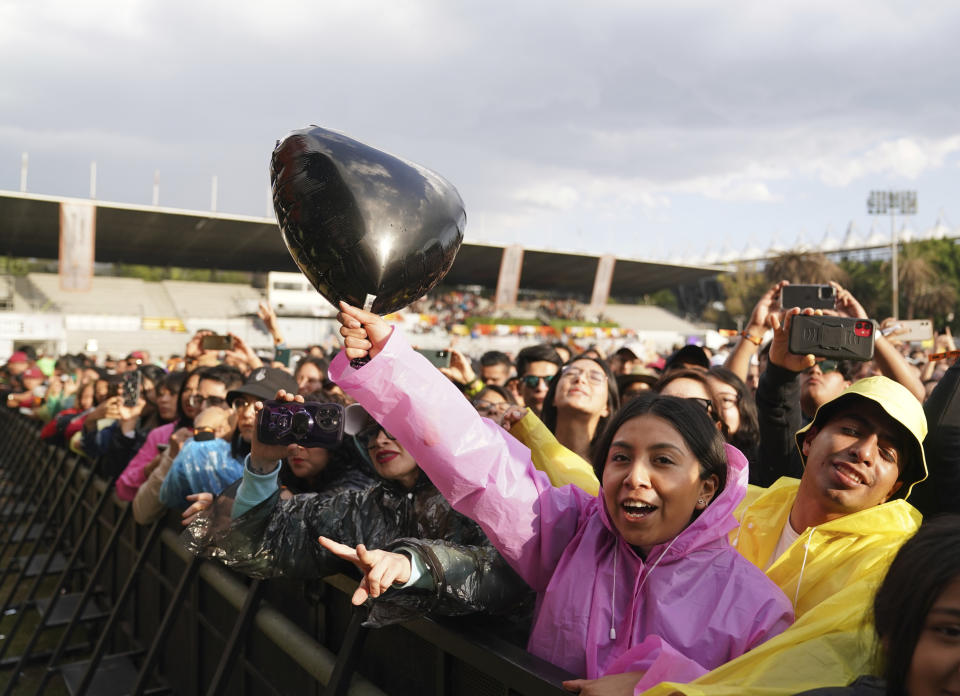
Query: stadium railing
<point x="164" y="622"/>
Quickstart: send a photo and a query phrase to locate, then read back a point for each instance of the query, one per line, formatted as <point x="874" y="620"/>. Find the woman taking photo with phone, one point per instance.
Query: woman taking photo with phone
<point x="636" y="585"/>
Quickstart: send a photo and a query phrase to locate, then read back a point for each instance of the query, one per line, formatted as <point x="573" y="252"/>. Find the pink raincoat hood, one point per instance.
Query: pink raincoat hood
<point x="697" y="603"/>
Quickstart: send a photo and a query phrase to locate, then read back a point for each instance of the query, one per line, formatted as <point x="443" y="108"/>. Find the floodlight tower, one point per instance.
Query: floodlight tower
<point x="893" y="202"/>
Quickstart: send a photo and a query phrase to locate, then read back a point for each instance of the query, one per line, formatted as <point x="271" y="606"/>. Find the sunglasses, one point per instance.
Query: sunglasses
<point x="826" y="366"/>
<point x="368" y="436"/>
<point x="705" y="403"/>
<point x="533" y="381"/>
<point x="200" y="400"/>
<point x="239" y="403"/>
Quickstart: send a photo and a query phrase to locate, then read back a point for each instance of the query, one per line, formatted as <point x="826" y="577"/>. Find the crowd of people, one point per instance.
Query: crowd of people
<point x="746" y="521"/>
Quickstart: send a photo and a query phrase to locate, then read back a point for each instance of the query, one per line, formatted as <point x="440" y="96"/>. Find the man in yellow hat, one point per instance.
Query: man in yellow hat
<point x="828" y="538"/>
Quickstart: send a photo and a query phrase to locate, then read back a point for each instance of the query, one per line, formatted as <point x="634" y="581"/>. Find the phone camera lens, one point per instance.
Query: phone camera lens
<point x="300" y="424"/>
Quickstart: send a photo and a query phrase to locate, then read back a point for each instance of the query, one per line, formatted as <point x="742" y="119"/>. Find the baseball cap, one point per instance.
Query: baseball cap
<point x="900" y="405"/>
<point x="19" y="356"/>
<point x="264" y="382"/>
<point x="33" y="372"/>
<point x="689" y="355"/>
<point x="635" y="348"/>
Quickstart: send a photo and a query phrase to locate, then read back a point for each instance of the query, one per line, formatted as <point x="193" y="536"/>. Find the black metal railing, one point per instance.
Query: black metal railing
<point x="95" y="601"/>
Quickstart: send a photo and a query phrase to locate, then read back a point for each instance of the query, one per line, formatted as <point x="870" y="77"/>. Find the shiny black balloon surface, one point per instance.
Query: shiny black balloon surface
<point x="360" y="222"/>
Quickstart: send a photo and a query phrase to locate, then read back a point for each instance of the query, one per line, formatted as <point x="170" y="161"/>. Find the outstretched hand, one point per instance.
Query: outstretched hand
<point x="769" y="303"/>
<point x="381" y="569"/>
<point x="200" y="502"/>
<point x="364" y="333"/>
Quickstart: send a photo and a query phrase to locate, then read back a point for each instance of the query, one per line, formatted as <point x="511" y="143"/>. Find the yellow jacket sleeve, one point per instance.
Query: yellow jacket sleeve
<point x="562" y="465"/>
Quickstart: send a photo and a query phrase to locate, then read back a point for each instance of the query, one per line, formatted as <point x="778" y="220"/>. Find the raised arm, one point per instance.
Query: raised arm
<point x="481" y="470"/>
<point x="778" y="405"/>
<point x="747" y="346"/>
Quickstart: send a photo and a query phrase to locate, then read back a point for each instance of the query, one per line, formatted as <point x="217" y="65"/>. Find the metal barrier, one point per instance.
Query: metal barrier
<point x="157" y="620"/>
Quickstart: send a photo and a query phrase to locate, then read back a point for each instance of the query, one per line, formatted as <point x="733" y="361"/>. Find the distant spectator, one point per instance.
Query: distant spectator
<point x="623" y="360"/>
<point x="634" y="383"/>
<point x="536" y="367"/>
<point x="311" y="374"/>
<point x="689" y="357"/>
<point x="493" y="401"/>
<point x="495" y="367"/>
<point x="563" y="351"/>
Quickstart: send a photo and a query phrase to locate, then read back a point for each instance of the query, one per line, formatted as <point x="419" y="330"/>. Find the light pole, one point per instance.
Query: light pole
<point x="893" y="202"/>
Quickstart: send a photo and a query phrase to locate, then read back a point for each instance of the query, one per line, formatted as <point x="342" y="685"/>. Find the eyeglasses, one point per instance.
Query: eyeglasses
<point x="533" y="381"/>
<point x="595" y="377"/>
<point x="706" y="404"/>
<point x="368" y="436"/>
<point x="201" y="400"/>
<point x="489" y="408"/>
<point x="239" y="403"/>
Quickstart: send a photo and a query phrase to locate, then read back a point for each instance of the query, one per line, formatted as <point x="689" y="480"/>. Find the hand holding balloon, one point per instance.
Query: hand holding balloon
<point x="364" y="333"/>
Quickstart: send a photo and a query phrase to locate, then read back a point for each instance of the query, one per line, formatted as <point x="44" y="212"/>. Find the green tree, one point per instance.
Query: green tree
<point x="804" y="268"/>
<point x="869" y="281"/>
<point x="742" y="288"/>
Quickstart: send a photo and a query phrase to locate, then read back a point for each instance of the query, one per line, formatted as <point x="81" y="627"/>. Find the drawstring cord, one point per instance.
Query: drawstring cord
<point x="613" y="594"/>
<point x="616" y="549"/>
<point x="736" y="539"/>
<point x="806" y="550"/>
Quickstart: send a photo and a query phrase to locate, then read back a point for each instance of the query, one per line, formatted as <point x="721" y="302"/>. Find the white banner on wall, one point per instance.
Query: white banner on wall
<point x="601" y="283"/>
<point x="508" y="282"/>
<point x="77" y="234"/>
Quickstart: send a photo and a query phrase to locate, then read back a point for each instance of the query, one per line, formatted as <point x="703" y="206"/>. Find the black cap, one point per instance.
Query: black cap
<point x="688" y="355"/>
<point x="264" y="382"/>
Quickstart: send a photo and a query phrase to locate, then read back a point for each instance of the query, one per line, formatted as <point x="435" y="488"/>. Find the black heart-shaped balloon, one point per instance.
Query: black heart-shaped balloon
<point x="363" y="226"/>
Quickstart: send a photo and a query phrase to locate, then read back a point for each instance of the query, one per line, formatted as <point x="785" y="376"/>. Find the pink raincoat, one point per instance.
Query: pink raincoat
<point x="694" y="604"/>
<point x="129" y="482"/>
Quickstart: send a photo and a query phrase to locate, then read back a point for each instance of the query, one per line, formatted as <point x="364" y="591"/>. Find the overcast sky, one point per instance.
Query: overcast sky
<point x="642" y="129"/>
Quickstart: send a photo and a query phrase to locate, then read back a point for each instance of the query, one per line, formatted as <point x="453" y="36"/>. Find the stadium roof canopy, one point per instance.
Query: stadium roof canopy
<point x="135" y="234"/>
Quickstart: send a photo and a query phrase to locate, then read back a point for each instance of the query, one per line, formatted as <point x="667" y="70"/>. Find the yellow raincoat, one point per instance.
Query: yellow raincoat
<point x="560" y="464"/>
<point x="830" y="573"/>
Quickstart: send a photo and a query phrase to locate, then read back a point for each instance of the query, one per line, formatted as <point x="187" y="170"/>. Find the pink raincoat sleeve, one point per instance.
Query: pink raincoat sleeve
<point x="481" y="470"/>
<point x="129" y="482"/>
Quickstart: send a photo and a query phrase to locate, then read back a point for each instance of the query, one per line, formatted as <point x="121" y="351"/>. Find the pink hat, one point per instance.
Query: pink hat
<point x="19" y="356"/>
<point x="33" y="372"/>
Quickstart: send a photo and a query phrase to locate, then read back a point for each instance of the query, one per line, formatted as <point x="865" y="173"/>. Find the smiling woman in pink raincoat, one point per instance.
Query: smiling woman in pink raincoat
<point x="641" y="578"/>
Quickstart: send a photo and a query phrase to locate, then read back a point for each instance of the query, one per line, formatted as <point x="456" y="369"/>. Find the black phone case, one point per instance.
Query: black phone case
<point x="804" y="296"/>
<point x="275" y="424"/>
<point x="130" y="388"/>
<point x="841" y="338"/>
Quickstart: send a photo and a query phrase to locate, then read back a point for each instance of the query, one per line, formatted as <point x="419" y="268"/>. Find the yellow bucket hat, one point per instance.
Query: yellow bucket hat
<point x="898" y="403"/>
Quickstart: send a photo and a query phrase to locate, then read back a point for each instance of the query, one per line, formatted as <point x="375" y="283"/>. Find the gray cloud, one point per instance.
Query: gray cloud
<point x="527" y="107"/>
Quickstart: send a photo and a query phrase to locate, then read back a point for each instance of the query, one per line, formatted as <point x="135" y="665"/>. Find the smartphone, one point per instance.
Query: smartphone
<point x="916" y="330"/>
<point x="283" y="356"/>
<point x="217" y="342"/>
<point x="437" y="358"/>
<point x="310" y="424"/>
<point x="802" y="296"/>
<point x="130" y="383"/>
<point x="841" y="338"/>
